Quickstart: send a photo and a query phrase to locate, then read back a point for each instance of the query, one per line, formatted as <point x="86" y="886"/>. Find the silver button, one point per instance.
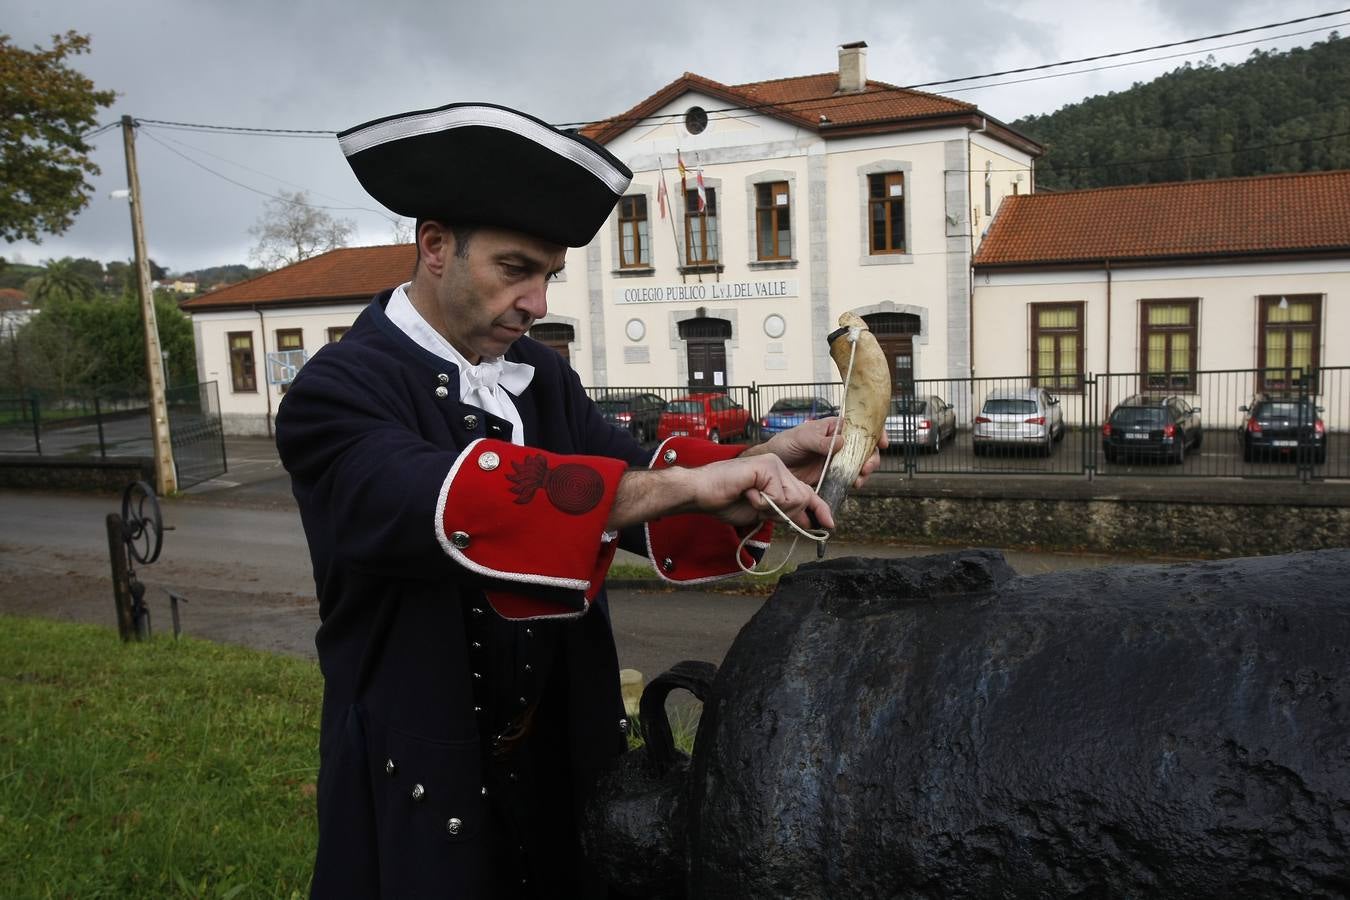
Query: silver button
<point x="528" y="668"/>
<point x="418" y="792"/>
<point x="443" y="378"/>
<point x="389" y="767"/>
<point x="489" y="461"/>
<point x="442" y="393"/>
<point x="460" y="539"/>
<point x="477" y="645"/>
<point x="522" y="702"/>
<point x="669" y="456"/>
<point x="529" y="632"/>
<point x="470" y="422"/>
<point x="512" y="776"/>
<point x="454" y="826"/>
<point x="477" y="676"/>
<point x="484" y="791"/>
<point x="668" y="564"/>
<point x="477" y="710"/>
<point x="623" y="726"/>
<point x="478" y="610"/>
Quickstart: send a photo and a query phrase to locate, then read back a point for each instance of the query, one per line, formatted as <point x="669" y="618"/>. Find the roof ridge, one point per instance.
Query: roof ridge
<point x="1268" y="176"/>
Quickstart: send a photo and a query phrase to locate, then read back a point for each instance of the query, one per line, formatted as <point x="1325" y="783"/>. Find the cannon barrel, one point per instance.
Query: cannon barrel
<point x="941" y="727"/>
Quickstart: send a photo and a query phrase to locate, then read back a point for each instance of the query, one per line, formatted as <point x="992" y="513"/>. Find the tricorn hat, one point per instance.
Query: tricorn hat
<point x="483" y="164"/>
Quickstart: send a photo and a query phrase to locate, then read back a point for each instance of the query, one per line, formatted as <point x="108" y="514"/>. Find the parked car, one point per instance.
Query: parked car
<point x="923" y="421"/>
<point x="1283" y="427"/>
<point x="1018" y="417"/>
<point x="789" y="412"/>
<point x="1151" y="425"/>
<point x="640" y="413"/>
<point x="715" y="417"/>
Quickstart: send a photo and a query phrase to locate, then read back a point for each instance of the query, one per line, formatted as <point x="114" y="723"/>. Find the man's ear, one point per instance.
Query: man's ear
<point x="435" y="243"/>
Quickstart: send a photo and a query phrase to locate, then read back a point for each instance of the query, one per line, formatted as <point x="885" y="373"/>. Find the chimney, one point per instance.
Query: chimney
<point x="853" y="67"/>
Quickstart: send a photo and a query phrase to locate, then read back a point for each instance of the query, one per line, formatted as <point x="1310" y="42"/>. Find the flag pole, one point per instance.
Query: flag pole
<point x="679" y="259"/>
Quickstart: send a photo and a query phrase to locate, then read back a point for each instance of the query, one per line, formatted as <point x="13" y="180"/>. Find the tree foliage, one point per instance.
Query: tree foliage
<point x="1275" y="112"/>
<point x="45" y="108"/>
<point x="291" y="229"/>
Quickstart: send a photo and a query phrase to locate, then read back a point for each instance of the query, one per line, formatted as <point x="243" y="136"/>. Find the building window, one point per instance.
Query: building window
<point x="634" y="244"/>
<point x="701" y="244"/>
<point x="338" y="332"/>
<point x="886" y="212"/>
<point x="1057" y="346"/>
<point x="1291" y="332"/>
<point x="242" y="372"/>
<point x="289" y="339"/>
<point x="773" y="222"/>
<point x="1168" y="339"/>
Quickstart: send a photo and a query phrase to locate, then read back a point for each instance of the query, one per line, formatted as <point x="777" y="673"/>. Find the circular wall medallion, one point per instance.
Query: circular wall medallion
<point x="635" y="330"/>
<point x="775" y="326"/>
<point x="695" y="120"/>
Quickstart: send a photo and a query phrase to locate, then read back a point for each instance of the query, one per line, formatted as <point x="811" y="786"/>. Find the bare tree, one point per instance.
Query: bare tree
<point x="402" y="230"/>
<point x="291" y="229"/>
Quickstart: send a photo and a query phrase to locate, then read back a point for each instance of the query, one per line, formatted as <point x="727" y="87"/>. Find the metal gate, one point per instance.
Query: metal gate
<point x="198" y="439"/>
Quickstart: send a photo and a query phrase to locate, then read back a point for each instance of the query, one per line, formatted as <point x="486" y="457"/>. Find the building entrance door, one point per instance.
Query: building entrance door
<point x="705" y="342"/>
<point x="895" y="333"/>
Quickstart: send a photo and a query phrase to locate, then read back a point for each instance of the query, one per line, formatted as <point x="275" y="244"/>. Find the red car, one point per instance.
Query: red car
<point x="715" y="417"/>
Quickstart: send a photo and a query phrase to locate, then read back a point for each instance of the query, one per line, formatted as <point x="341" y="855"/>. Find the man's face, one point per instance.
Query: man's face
<point x="486" y="301"/>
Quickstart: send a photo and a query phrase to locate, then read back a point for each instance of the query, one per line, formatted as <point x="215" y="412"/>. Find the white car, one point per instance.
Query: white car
<point x="1018" y="417"/>
<point x="924" y="421"/>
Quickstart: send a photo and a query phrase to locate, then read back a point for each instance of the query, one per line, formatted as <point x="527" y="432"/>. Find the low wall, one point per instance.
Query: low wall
<point x="1215" y="519"/>
<point x="40" y="473"/>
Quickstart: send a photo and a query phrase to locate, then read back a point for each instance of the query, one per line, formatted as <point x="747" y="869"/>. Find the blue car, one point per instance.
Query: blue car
<point x="789" y="412"/>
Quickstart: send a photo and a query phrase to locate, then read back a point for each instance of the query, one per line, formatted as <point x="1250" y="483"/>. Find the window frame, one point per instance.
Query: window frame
<point x="1172" y="381"/>
<point x="1055" y="383"/>
<point x="770" y="211"/>
<point x="641" y="227"/>
<point x="283" y="334"/>
<point x="238" y="374"/>
<point x="337" y="332"/>
<point x="691" y="216"/>
<point x="886" y="201"/>
<point x="1265" y="303"/>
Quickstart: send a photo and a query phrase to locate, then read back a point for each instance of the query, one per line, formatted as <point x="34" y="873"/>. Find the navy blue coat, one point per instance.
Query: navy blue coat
<point x="418" y="675"/>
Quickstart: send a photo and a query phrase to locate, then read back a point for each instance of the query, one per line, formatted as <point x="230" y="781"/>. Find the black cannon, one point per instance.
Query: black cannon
<point x="941" y="727"/>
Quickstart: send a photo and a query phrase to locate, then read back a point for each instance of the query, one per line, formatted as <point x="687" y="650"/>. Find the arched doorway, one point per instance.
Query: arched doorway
<point x="895" y="333"/>
<point x="555" y="335"/>
<point x="705" y="343"/>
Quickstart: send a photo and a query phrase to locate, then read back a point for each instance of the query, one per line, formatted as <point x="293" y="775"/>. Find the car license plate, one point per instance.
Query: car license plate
<point x="679" y="434"/>
<point x="1284" y="443"/>
<point x="1136" y="436"/>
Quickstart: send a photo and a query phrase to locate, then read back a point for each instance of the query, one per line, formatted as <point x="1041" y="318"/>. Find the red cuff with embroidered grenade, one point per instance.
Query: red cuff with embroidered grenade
<point x="693" y="547"/>
<point x="524" y="515"/>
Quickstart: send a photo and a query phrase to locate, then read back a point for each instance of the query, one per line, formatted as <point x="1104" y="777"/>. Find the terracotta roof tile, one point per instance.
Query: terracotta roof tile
<point x="801" y="100"/>
<point x="1192" y="219"/>
<point x="345" y="274"/>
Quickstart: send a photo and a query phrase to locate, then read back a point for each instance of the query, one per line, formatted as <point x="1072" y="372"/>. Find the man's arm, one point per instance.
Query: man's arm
<point x="803" y="449"/>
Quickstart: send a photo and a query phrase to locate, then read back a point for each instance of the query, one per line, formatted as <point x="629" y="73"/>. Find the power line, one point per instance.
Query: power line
<point x="242" y="129"/>
<point x="247" y="187"/>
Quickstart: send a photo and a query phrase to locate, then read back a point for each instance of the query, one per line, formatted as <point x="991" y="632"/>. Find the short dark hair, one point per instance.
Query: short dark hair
<point x="463" y="234"/>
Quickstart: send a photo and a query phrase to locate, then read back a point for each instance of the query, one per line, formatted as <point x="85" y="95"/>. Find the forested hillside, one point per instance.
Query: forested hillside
<point x="1276" y="112"/>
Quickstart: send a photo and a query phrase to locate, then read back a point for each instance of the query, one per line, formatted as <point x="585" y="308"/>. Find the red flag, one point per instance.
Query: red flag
<point x="702" y="192"/>
<point x="661" y="195"/>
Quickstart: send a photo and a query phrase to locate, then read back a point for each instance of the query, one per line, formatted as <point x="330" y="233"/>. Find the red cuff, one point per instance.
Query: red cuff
<point x="694" y="547"/>
<point x="521" y="514"/>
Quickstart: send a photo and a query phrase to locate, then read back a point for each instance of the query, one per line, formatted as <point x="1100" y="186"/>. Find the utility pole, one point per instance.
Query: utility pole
<point x="166" y="479"/>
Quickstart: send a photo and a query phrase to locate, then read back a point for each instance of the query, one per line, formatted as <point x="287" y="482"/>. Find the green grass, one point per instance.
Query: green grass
<point x="159" y="769"/>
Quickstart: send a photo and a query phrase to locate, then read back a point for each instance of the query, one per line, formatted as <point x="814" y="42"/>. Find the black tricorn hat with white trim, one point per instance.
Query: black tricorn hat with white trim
<point x="483" y="164"/>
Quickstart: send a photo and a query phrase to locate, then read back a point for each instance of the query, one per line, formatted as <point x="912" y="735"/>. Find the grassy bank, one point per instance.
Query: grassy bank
<point x="153" y="770"/>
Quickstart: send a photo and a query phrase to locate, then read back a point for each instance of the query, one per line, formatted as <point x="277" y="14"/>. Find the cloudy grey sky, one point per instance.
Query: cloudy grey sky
<point x="306" y="64"/>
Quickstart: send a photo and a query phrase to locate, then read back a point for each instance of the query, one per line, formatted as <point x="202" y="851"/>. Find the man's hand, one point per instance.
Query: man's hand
<point x="803" y="448"/>
<point x="737" y="491"/>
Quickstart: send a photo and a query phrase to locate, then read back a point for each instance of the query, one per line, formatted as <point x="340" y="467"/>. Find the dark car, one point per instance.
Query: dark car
<point x="639" y="413"/>
<point x="924" y="421"/>
<point x="1152" y="425"/>
<point x="789" y="412"/>
<point x="1283" y="428"/>
<point x="714" y="417"/>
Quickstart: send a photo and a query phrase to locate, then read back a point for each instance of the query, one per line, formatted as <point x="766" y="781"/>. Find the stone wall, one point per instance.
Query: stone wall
<point x="1195" y="520"/>
<point x="36" y="473"/>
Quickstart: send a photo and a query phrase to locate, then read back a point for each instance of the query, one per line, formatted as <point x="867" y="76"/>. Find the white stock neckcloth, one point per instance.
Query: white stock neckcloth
<point x="484" y="385"/>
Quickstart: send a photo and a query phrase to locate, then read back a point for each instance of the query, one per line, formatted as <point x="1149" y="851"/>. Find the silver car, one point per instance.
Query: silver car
<point x="1018" y="417"/>
<point x="923" y="421"/>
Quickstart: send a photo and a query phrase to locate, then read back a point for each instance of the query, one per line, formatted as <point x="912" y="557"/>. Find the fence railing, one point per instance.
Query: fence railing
<point x="116" y="423"/>
<point x="937" y="427"/>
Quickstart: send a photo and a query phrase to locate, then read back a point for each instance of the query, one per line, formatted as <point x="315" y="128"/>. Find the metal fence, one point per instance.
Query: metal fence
<point x="116" y="423"/>
<point x="937" y="431"/>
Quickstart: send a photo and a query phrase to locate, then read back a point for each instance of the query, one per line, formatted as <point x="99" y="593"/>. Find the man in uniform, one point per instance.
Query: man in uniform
<point x="462" y="499"/>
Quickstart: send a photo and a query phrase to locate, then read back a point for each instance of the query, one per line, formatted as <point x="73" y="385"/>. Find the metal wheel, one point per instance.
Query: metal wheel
<point x="142" y="526"/>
